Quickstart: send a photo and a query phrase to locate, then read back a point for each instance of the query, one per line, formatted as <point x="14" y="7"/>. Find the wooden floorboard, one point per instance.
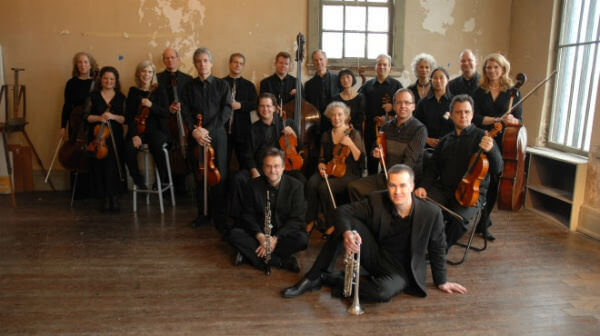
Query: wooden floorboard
<point x="82" y="272"/>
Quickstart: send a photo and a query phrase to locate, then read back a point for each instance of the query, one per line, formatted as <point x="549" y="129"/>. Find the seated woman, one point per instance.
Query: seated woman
<point x="333" y="143"/>
<point x="146" y="100"/>
<point x="106" y="112"/>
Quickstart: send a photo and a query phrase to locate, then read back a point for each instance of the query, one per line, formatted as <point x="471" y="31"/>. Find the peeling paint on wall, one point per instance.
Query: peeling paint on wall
<point x="469" y="25"/>
<point x="438" y="15"/>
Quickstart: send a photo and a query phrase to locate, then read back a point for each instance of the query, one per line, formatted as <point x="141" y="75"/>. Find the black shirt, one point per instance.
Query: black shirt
<point x="279" y="87"/>
<point x="321" y="90"/>
<point x="99" y="106"/>
<point x="158" y="112"/>
<point x="358" y="109"/>
<point x="353" y="167"/>
<point x="375" y="92"/>
<point x="76" y="92"/>
<point x="461" y="85"/>
<point x="245" y="94"/>
<point x="263" y="136"/>
<point x="396" y="243"/>
<point x="166" y="79"/>
<point x="211" y="98"/>
<point x="434" y="114"/>
<point x="485" y="106"/>
<point x="415" y="90"/>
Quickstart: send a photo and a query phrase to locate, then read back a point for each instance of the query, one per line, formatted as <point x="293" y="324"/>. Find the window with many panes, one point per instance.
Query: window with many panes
<point x="578" y="62"/>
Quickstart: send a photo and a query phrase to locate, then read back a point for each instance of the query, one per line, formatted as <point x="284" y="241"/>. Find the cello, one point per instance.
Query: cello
<point x="306" y="116"/>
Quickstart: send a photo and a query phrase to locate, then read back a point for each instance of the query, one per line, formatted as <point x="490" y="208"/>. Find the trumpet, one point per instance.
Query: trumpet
<point x="352" y="277"/>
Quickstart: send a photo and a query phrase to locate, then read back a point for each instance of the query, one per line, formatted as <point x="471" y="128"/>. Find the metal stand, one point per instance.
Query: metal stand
<point x="468" y="246"/>
<point x="15" y="123"/>
<point x="159" y="186"/>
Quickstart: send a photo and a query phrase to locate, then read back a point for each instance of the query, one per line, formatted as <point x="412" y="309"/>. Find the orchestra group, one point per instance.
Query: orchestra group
<point x="372" y="174"/>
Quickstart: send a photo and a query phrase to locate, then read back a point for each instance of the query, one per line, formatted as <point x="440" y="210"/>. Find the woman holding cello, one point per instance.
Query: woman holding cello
<point x="77" y="91"/>
<point x="147" y="108"/>
<point x="492" y="100"/>
<point x="105" y="116"/>
<point x="341" y="161"/>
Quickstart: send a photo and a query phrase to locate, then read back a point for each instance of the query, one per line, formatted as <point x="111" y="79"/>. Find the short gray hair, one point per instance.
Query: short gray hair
<point x="205" y="51"/>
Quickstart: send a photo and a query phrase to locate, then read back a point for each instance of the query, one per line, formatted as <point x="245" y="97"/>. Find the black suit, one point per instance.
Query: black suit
<point x="372" y="219"/>
<point x="287" y="218"/>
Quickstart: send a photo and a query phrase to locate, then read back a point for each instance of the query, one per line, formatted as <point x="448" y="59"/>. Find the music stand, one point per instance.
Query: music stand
<point x="16" y="123"/>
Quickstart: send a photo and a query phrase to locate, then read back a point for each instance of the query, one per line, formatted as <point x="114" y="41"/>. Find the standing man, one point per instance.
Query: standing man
<point x="468" y="81"/>
<point x="209" y="97"/>
<point x="321" y="89"/>
<point x="171" y="79"/>
<point x="393" y="230"/>
<point x="450" y="162"/>
<point x="280" y="84"/>
<point x="287" y="208"/>
<point x="405" y="138"/>
<point x="379" y="92"/>
<point x="243" y="94"/>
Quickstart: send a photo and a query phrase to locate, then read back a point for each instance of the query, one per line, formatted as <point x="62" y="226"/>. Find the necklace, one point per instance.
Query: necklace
<point x="423" y="85"/>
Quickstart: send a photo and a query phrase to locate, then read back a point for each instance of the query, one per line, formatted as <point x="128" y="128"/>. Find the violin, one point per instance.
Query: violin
<point x="143" y="113"/>
<point x="380" y="120"/>
<point x="207" y="170"/>
<point x="288" y="144"/>
<point x="467" y="191"/>
<point x="179" y="130"/>
<point x="98" y="146"/>
<point x="337" y="165"/>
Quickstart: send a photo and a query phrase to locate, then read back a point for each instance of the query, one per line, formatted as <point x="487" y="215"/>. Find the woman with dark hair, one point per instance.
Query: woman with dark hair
<point x="149" y="97"/>
<point x="77" y="90"/>
<point x="317" y="190"/>
<point x="434" y="110"/>
<point x="357" y="102"/>
<point x="107" y="107"/>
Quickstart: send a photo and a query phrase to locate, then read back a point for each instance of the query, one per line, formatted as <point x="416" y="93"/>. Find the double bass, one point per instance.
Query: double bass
<point x="306" y="116"/>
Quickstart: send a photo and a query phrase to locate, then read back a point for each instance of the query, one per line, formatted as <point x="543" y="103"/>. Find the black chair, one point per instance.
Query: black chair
<point x="473" y="223"/>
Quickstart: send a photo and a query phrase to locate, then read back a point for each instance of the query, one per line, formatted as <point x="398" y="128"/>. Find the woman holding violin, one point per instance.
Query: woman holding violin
<point x="341" y="161"/>
<point x="107" y="112"/>
<point x="492" y="100"/>
<point x="147" y="109"/>
<point x="77" y="91"/>
<point x="357" y="102"/>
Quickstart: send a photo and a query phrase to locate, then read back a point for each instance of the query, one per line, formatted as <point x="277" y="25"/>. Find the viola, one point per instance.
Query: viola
<point x="143" y="113"/>
<point x="337" y="165"/>
<point x="288" y="144"/>
<point x="207" y="171"/>
<point x="467" y="191"/>
<point x="178" y="130"/>
<point x="98" y="146"/>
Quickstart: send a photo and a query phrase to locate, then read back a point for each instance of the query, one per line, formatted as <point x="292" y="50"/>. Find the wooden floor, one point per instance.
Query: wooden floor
<point x="80" y="272"/>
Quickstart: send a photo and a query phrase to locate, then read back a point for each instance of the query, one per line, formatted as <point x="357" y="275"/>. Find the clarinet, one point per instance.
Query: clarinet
<point x="233" y="92"/>
<point x="267" y="229"/>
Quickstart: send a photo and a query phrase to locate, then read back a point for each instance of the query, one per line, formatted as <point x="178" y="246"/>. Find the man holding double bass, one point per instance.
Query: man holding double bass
<point x="450" y="162"/>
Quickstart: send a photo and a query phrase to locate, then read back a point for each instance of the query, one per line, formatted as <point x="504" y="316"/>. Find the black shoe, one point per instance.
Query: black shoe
<point x="238" y="259"/>
<point x="114" y="203"/>
<point x="291" y="264"/>
<point x="488" y="236"/>
<point x="332" y="279"/>
<point x="201" y="220"/>
<point x="302" y="286"/>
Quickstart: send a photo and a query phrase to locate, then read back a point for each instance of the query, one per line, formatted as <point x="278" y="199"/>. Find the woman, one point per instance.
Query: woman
<point x="107" y="107"/>
<point x="421" y="65"/>
<point x="492" y="100"/>
<point x="317" y="192"/>
<point x="146" y="97"/>
<point x="77" y="90"/>
<point x="354" y="100"/>
<point x="433" y="110"/>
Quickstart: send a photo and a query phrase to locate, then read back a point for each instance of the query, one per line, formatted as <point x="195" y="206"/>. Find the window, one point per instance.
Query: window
<point x="356" y="31"/>
<point x="578" y="61"/>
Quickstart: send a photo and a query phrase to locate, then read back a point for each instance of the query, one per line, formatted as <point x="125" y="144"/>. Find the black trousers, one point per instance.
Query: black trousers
<point x="362" y="187"/>
<point x="491" y="197"/>
<point x="156" y="141"/>
<point x="286" y="246"/>
<point x="106" y="179"/>
<point x="387" y="277"/>
<point x="318" y="198"/>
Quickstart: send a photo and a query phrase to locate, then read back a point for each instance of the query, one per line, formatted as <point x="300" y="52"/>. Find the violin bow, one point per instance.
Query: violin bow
<point x="530" y="93"/>
<point x="114" y="145"/>
<point x="60" y="140"/>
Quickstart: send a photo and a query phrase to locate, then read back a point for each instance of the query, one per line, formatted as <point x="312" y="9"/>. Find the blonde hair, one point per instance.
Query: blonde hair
<point x="138" y="70"/>
<point x="505" y="81"/>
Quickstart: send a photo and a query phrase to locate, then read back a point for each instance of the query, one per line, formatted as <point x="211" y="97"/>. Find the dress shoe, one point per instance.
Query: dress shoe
<point x="114" y="203"/>
<point x="332" y="279"/>
<point x="302" y="286"/>
<point x="291" y="264"/>
<point x="488" y="236"/>
<point x="238" y="259"/>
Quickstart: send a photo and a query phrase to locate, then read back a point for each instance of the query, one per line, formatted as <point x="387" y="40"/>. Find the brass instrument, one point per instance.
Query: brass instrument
<point x="352" y="277"/>
<point x="267" y="229"/>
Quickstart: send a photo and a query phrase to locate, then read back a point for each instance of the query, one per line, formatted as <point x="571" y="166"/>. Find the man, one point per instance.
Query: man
<point x="173" y="81"/>
<point x="450" y="161"/>
<point x="243" y="93"/>
<point x="208" y="97"/>
<point x="280" y="84"/>
<point x="468" y="81"/>
<point x="287" y="207"/>
<point x="393" y="231"/>
<point x="263" y="134"/>
<point x="321" y="89"/>
<point x="378" y="91"/>
<point x="405" y="138"/>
